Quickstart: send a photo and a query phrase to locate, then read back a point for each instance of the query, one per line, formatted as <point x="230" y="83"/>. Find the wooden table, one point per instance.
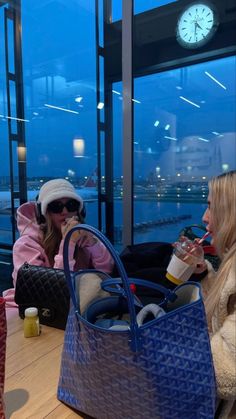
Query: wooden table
<point x="32" y="372"/>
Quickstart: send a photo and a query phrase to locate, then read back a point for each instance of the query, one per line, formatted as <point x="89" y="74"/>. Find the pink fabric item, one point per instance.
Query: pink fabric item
<point x="9" y="296"/>
<point x="11" y="311"/>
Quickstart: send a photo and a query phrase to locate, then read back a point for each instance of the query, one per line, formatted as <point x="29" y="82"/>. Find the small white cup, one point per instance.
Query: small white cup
<point x="179" y="271"/>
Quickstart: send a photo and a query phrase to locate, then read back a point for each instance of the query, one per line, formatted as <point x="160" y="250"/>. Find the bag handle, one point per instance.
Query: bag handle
<point x="135" y="342"/>
<point x="188" y="230"/>
<point x="108" y="285"/>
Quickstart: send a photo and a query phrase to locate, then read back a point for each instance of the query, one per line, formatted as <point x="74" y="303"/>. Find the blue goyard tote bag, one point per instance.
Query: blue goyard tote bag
<point x="159" y="369"/>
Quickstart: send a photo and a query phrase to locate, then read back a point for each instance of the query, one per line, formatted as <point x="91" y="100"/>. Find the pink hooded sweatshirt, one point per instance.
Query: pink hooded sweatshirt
<point x="28" y="248"/>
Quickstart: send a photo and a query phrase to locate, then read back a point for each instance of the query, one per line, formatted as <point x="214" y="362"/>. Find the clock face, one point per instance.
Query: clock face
<point x="196" y="25"/>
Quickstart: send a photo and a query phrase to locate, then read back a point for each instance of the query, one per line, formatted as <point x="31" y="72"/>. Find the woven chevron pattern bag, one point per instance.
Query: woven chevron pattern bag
<point x="3" y="336"/>
<point x="162" y="369"/>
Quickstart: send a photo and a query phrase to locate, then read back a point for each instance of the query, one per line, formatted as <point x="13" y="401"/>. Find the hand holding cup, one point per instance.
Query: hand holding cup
<point x="67" y="225"/>
<point x="186" y="258"/>
<point x="82" y="237"/>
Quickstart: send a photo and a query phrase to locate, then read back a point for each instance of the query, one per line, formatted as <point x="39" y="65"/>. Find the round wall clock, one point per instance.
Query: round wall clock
<point x="197" y="24"/>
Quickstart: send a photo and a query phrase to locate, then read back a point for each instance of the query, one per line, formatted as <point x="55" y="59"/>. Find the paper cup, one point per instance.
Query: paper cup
<point x="179" y="271"/>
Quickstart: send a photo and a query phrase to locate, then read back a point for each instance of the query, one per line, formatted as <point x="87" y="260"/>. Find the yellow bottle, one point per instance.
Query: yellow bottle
<point x="31" y="322"/>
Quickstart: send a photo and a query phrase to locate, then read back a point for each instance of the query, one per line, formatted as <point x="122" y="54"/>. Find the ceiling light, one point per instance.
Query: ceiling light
<point x="167" y="127"/>
<point x="136" y="101"/>
<point x="15" y="119"/>
<point x="78" y="99"/>
<point x="115" y="91"/>
<point x="100" y="105"/>
<point x="60" y="109"/>
<point x="215" y="80"/>
<point x="78" y="147"/>
<point x="225" y="166"/>
<point x="189" y="101"/>
<point x="170" y="138"/>
<point x="156" y="123"/>
<point x="203" y="139"/>
<point x="21" y="151"/>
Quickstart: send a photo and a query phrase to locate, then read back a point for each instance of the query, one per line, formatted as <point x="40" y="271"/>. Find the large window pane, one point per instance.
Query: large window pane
<point x="142" y="6"/>
<point x="185" y="132"/>
<point x="5" y="204"/>
<point x="59" y="65"/>
<point x="139" y="6"/>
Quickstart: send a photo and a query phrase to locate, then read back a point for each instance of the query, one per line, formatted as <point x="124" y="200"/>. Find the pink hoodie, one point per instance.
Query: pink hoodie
<point x="28" y="248"/>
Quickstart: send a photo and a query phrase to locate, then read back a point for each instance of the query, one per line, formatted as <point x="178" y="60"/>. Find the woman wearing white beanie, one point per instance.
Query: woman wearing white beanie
<point x="43" y="226"/>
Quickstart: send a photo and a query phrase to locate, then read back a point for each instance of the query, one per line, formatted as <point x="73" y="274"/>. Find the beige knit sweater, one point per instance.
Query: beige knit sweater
<point x="223" y="342"/>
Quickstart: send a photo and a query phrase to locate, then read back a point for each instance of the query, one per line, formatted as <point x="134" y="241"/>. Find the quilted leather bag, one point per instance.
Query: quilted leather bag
<point x="46" y="289"/>
<point x="162" y="369"/>
<point x="3" y="336"/>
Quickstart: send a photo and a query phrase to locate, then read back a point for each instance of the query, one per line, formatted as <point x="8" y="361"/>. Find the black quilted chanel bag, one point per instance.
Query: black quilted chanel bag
<point x="46" y="289"/>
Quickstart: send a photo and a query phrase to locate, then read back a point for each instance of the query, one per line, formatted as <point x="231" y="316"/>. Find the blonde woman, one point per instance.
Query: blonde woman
<point x="219" y="289"/>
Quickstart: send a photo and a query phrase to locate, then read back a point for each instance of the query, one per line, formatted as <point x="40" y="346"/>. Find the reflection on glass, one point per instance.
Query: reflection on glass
<point x="21" y="151"/>
<point x="78" y="146"/>
<point x="178" y="146"/>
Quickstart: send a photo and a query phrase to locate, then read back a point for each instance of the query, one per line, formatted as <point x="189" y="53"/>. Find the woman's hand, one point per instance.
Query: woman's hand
<point x="67" y="225"/>
<point x="84" y="238"/>
<point x="201" y="267"/>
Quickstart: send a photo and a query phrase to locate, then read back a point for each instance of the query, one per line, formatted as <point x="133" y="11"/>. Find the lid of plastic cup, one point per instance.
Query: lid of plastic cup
<point x="31" y="312"/>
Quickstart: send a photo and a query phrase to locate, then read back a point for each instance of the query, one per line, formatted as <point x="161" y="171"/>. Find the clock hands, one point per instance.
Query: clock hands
<point x="197" y="25"/>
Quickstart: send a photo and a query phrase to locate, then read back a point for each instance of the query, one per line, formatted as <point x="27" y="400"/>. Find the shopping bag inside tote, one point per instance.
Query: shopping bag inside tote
<point x="121" y="359"/>
<point x="113" y="310"/>
<point x="98" y="305"/>
<point x="102" y="301"/>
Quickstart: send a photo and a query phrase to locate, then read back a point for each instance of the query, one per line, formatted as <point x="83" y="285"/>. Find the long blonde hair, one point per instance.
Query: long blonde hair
<point x="51" y="238"/>
<point x="222" y="190"/>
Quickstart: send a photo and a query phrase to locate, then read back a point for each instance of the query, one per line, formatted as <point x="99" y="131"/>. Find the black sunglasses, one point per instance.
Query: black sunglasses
<point x="56" y="207"/>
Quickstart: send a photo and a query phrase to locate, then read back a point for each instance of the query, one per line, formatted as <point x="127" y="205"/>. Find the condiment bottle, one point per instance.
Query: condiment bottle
<point x="31" y="322"/>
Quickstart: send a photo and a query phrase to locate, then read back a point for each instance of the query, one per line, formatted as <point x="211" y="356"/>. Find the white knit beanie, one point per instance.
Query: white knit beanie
<point x="56" y="189"/>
